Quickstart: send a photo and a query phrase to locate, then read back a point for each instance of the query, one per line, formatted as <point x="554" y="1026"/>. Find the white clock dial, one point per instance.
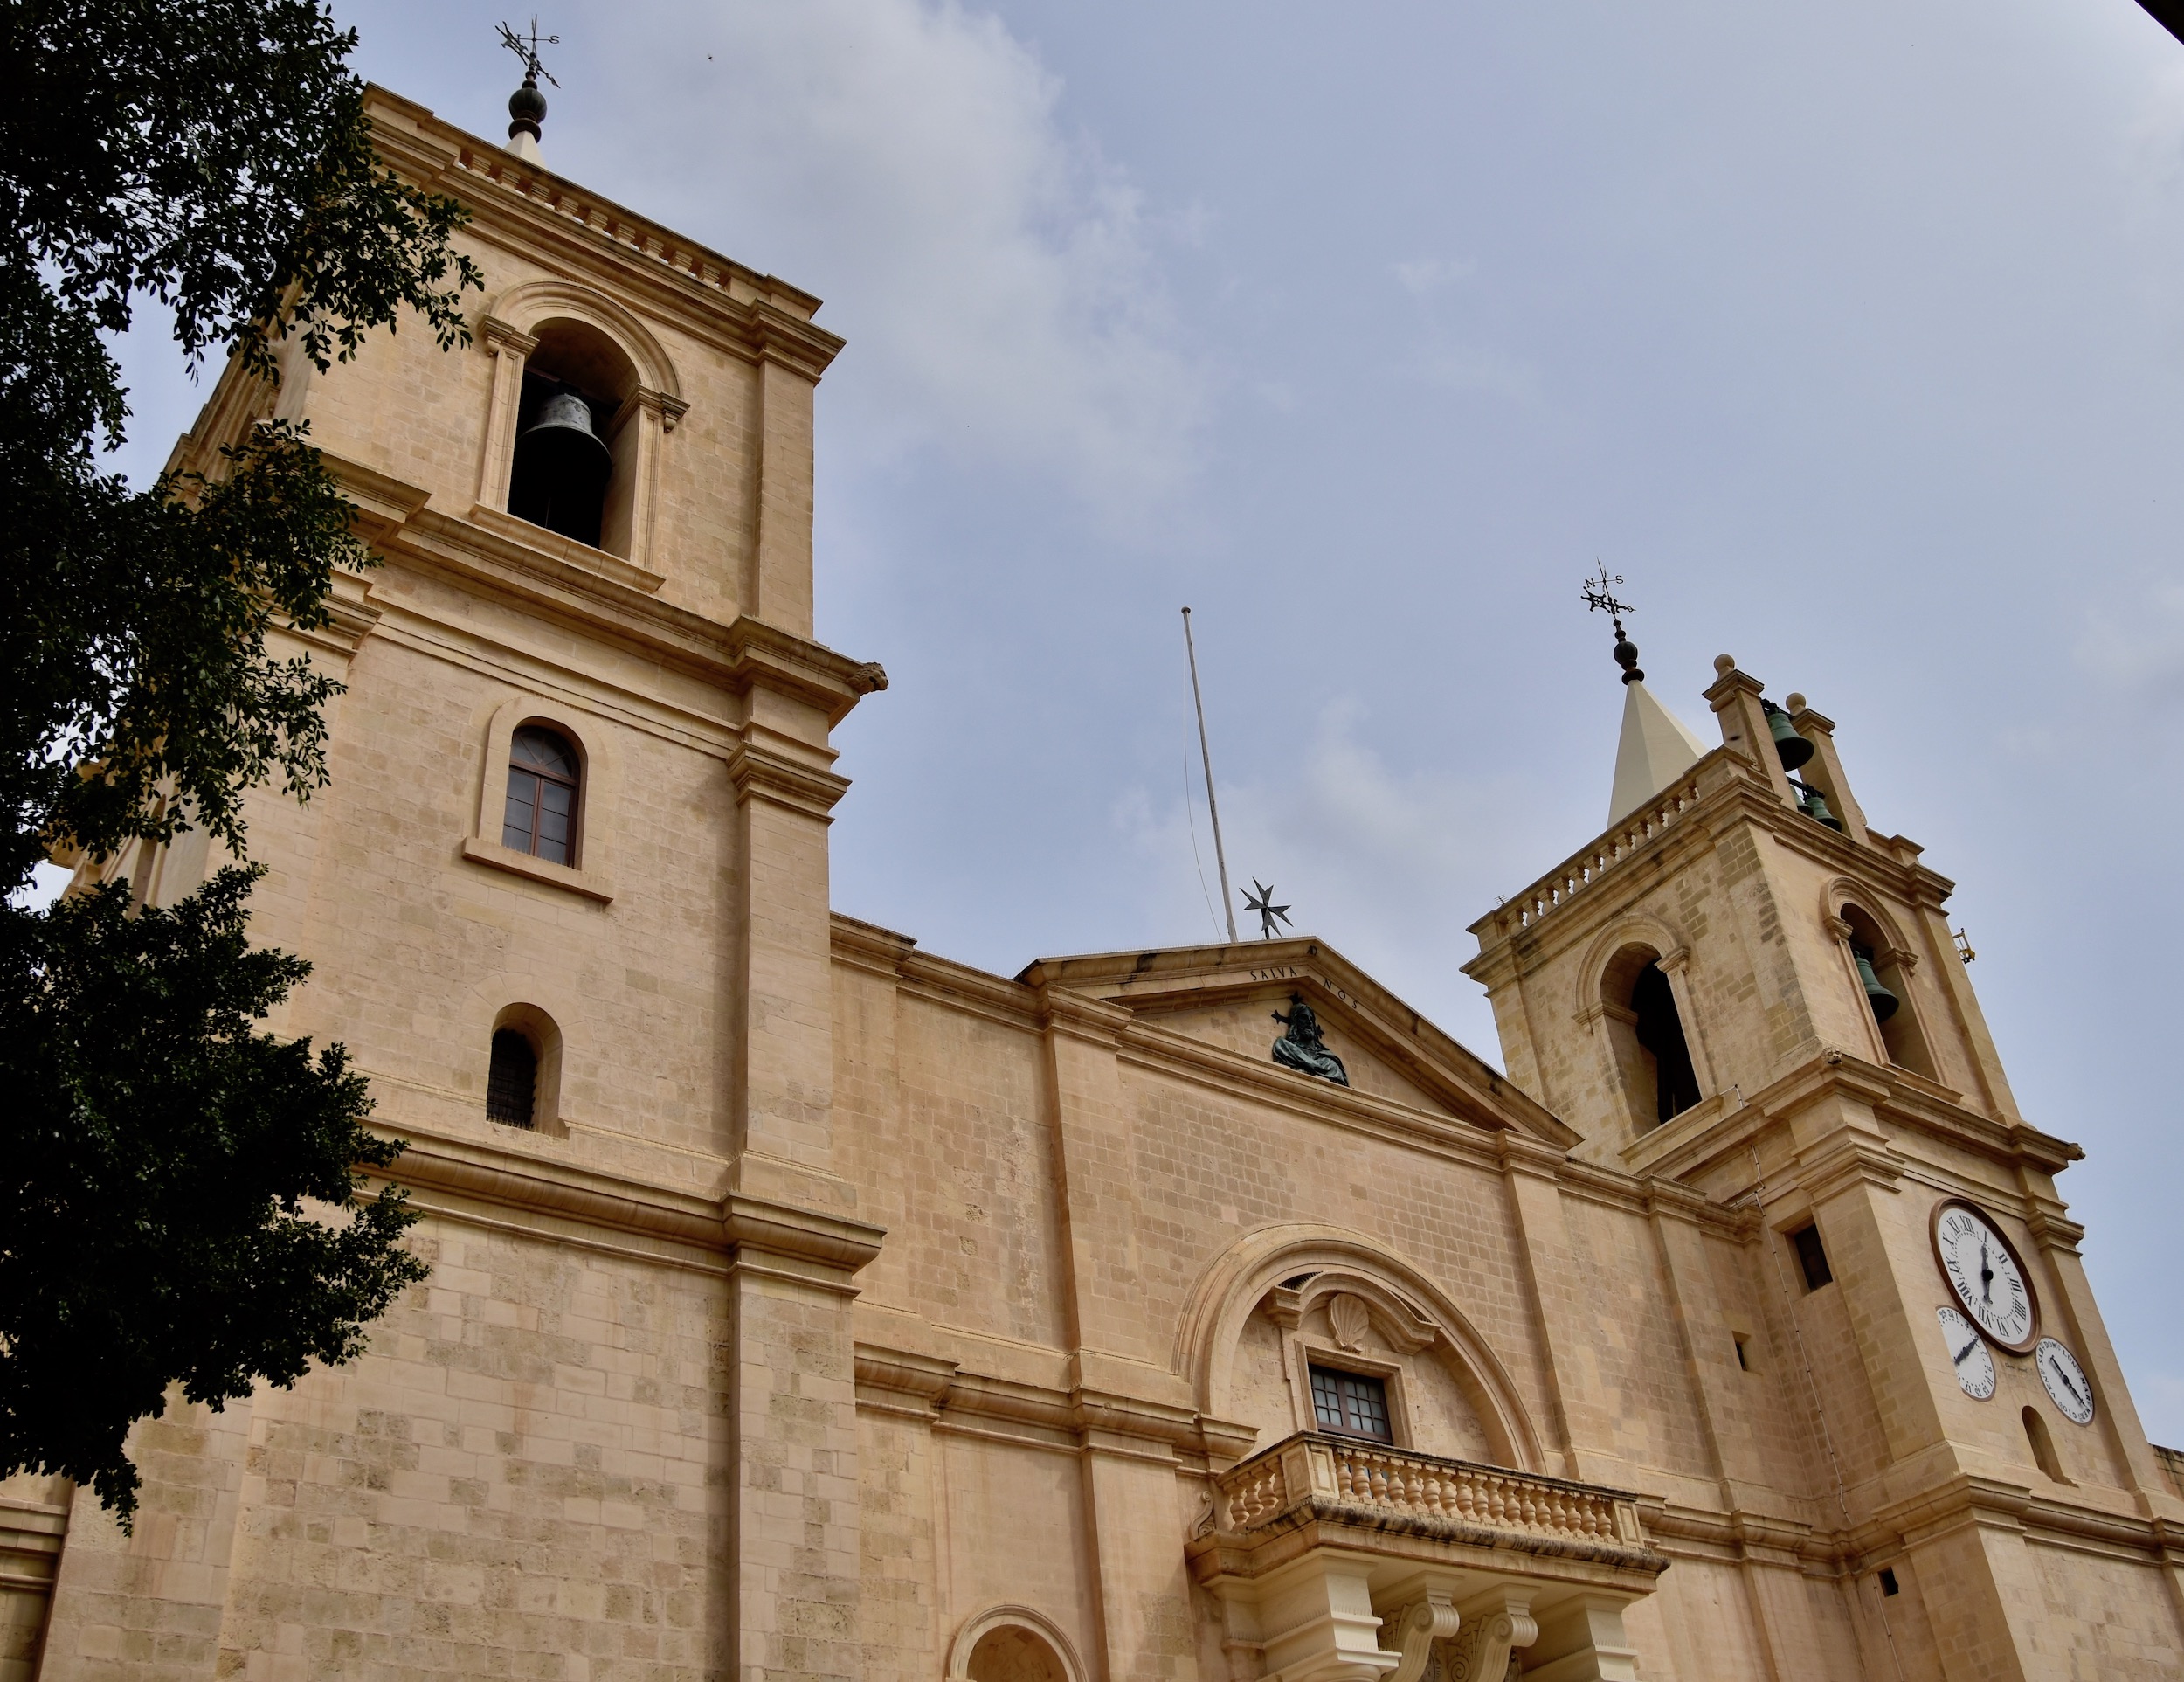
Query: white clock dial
<point x="1984" y="1271"/>
<point x="1969" y="1354"/>
<point x="2068" y="1387"/>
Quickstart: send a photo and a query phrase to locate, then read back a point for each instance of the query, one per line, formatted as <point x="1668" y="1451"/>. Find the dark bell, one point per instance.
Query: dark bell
<point x="561" y="443"/>
<point x="1815" y="804"/>
<point x="1880" y="998"/>
<point x="1793" y="749"/>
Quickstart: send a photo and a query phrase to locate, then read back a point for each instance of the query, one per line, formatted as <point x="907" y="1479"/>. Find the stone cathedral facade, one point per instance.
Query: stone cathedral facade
<point x="805" y="1304"/>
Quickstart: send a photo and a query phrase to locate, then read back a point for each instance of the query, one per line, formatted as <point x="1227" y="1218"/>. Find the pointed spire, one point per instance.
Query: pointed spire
<point x="1656" y="748"/>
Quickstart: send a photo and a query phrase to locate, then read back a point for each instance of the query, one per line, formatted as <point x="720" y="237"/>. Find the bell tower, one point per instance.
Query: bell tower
<point x="1744" y="987"/>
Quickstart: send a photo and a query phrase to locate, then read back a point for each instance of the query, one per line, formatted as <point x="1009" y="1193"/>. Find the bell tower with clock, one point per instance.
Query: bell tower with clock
<point x="1744" y="989"/>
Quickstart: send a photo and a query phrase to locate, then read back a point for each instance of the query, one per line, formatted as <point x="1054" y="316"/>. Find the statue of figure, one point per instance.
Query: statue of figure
<point x="1302" y="1049"/>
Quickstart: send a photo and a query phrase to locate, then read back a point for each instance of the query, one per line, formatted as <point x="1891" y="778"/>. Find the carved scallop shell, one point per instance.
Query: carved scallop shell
<point x="1350" y="1319"/>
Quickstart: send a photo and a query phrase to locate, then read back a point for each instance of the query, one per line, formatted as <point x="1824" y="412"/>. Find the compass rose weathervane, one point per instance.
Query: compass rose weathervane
<point x="527" y="105"/>
<point x="1599" y="592"/>
<point x="1270" y="913"/>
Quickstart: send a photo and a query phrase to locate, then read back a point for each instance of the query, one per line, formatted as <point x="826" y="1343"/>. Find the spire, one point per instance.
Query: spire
<point x="1656" y="748"/>
<point x="527" y="105"/>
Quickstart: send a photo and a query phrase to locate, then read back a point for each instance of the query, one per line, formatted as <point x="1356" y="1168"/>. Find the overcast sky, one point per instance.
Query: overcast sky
<point x="1851" y="335"/>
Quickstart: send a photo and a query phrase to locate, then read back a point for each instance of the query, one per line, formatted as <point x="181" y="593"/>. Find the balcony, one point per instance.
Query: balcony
<point x="1341" y="1561"/>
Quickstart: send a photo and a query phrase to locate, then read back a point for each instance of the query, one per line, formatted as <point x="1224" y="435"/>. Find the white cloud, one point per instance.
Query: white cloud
<point x="2140" y="646"/>
<point x="995" y="277"/>
<point x="1425" y="275"/>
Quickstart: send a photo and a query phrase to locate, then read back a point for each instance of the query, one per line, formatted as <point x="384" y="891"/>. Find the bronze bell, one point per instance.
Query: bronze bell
<point x="1793" y="749"/>
<point x="1816" y="805"/>
<point x="1880" y="998"/>
<point x="562" y="439"/>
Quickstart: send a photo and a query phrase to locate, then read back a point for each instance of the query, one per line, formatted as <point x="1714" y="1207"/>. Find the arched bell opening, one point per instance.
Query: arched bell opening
<point x="575" y="450"/>
<point x="1887" y="990"/>
<point x="1646" y="1031"/>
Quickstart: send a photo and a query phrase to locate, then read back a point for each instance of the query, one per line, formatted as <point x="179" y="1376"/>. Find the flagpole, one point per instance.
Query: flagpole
<point x="1221" y="859"/>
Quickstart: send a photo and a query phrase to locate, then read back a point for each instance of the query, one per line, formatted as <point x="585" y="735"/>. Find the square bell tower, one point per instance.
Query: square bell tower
<point x="1745" y="989"/>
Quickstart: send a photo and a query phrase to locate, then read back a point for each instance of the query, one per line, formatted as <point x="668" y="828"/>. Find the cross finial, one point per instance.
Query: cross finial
<point x="1599" y="592"/>
<point x="527" y="105"/>
<point x="1270" y="913"/>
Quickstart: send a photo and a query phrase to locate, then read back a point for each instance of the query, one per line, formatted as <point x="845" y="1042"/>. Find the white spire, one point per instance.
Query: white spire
<point x="1656" y="750"/>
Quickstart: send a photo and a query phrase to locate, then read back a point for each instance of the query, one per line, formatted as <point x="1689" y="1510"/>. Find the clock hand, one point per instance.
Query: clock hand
<point x="1958" y="1357"/>
<point x="1987" y="1274"/>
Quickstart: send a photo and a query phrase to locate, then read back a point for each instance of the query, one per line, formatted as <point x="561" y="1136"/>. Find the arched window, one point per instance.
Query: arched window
<point x="511" y="1083"/>
<point x="2043" y="1445"/>
<point x="1647" y="1035"/>
<point x="544" y="778"/>
<point x="574" y="448"/>
<point x="1887" y="991"/>
<point x="1014" y="1653"/>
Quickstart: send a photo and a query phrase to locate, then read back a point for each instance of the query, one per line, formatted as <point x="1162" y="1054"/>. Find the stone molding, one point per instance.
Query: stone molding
<point x="977" y="1627"/>
<point x="938" y="1391"/>
<point x="734" y="308"/>
<point x="590" y="884"/>
<point x="761" y="772"/>
<point x="553" y="579"/>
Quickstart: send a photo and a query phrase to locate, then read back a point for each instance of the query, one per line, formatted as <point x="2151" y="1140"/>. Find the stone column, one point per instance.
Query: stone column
<point x="793" y="1394"/>
<point x="1555" y="1282"/>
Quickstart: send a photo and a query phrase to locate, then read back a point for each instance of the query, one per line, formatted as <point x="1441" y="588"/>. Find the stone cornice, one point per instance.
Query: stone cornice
<point x="1165" y="979"/>
<point x="1721" y="793"/>
<point x="824" y="1248"/>
<point x="547" y="578"/>
<point x="938" y="1389"/>
<point x="1895" y="1100"/>
<point x="753" y="315"/>
<point x="760" y="773"/>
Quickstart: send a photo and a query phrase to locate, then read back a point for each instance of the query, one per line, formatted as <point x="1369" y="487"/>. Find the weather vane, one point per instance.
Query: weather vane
<point x="1270" y="913"/>
<point x="1599" y="592"/>
<point x="527" y="50"/>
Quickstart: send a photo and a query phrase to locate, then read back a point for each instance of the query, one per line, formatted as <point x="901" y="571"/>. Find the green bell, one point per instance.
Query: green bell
<point x="1816" y="805"/>
<point x="1880" y="998"/>
<point x="1793" y="749"/>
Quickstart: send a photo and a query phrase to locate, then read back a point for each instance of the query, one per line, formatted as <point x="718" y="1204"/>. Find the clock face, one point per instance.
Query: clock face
<point x="2068" y="1387"/>
<point x="1975" y="1367"/>
<point x="1984" y="1272"/>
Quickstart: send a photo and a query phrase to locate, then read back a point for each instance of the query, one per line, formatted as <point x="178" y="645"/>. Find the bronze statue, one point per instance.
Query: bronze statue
<point x="1302" y="1049"/>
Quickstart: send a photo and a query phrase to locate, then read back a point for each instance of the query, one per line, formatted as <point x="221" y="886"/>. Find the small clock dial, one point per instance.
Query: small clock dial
<point x="2068" y="1387"/>
<point x="1969" y="1354"/>
<point x="1984" y="1272"/>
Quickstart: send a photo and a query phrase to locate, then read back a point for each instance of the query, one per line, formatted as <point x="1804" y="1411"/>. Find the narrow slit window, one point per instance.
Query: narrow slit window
<point x="1351" y="1403"/>
<point x="512" y="1082"/>
<point x="1812" y="1257"/>
<point x="541" y="815"/>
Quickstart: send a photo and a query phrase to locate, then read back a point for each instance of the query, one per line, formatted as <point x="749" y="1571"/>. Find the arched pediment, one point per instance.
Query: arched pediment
<point x="1849" y="890"/>
<point x="1633" y="929"/>
<point x="1413" y="1312"/>
<point x="529" y="305"/>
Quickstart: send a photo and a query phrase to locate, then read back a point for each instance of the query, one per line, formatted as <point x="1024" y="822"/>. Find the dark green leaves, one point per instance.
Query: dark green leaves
<point x="176" y="1199"/>
<point x="173" y="1200"/>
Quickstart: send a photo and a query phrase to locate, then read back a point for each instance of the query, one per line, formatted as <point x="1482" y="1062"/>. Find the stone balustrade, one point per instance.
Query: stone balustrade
<point x="1580" y="871"/>
<point x="1320" y="1471"/>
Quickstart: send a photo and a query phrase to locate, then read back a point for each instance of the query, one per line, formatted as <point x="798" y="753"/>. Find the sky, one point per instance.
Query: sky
<point x="1851" y="336"/>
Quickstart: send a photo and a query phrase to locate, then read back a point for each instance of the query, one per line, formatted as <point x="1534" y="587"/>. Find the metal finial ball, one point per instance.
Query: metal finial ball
<point x="1627" y="657"/>
<point x="527" y="105"/>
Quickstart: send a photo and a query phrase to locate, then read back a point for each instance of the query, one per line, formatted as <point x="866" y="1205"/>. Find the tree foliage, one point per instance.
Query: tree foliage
<point x="154" y="1223"/>
<point x="156" y="1151"/>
